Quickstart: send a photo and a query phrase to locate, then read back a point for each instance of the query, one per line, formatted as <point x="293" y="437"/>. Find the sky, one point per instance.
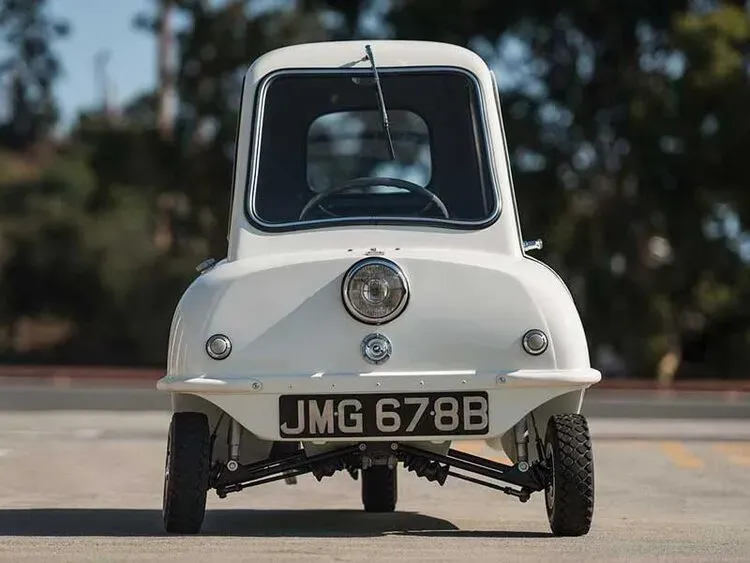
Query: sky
<point x="96" y="25"/>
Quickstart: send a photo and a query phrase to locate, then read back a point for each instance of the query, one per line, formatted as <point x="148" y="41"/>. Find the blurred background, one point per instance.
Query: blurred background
<point x="629" y="132"/>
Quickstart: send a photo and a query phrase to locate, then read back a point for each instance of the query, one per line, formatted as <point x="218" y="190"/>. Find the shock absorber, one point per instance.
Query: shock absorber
<point x="234" y="445"/>
<point x="520" y="431"/>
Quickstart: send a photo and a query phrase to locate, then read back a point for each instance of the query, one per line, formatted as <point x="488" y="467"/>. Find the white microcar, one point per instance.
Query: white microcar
<point x="377" y="304"/>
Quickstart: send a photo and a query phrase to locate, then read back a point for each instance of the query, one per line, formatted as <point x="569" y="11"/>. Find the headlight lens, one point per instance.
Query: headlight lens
<point x="375" y="291"/>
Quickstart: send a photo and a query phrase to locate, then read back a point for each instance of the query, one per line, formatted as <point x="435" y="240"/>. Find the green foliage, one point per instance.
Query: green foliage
<point x="29" y="33"/>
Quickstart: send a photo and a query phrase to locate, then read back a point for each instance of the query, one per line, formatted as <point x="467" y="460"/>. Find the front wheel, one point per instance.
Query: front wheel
<point x="379" y="489"/>
<point x="186" y="473"/>
<point x="569" y="496"/>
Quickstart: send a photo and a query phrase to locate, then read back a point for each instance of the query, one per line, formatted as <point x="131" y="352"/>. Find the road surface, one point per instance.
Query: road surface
<point x="84" y="486"/>
<point x="31" y="395"/>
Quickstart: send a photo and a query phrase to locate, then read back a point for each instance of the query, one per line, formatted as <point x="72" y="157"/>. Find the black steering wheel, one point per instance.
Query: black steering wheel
<point x="376" y="181"/>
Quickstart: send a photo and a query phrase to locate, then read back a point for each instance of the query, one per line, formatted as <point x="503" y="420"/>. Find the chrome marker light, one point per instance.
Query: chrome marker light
<point x="218" y="346"/>
<point x="375" y="291"/>
<point x="535" y="342"/>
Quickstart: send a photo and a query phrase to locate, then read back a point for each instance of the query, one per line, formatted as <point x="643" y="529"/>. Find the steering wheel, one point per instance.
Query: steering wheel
<point x="376" y="181"/>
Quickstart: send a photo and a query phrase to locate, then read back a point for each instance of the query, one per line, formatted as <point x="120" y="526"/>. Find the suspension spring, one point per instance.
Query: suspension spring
<point x="423" y="467"/>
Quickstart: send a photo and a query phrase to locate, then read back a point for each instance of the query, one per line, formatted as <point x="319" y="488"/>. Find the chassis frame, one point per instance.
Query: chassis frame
<point x="229" y="477"/>
<point x="529" y="478"/>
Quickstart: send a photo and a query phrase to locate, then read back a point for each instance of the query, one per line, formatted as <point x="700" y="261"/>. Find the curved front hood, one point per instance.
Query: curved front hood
<point x="466" y="311"/>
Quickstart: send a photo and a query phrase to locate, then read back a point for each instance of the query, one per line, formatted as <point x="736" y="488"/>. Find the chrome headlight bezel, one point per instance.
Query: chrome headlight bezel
<point x="354" y="270"/>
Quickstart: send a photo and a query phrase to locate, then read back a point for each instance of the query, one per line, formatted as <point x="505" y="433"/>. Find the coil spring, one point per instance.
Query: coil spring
<point x="430" y="470"/>
<point x="328" y="468"/>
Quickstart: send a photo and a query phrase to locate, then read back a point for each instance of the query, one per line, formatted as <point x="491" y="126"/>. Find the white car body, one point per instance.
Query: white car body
<point x="277" y="296"/>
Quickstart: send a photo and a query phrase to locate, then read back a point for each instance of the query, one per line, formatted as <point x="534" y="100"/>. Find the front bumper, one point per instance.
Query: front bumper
<point x="399" y="382"/>
<point x="253" y="400"/>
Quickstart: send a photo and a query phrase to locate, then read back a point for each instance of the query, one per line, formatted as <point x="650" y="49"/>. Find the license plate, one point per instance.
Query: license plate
<point x="391" y="414"/>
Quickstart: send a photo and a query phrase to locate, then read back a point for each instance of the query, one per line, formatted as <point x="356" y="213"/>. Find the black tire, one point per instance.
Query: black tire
<point x="186" y="473"/>
<point x="570" y="495"/>
<point x="379" y="489"/>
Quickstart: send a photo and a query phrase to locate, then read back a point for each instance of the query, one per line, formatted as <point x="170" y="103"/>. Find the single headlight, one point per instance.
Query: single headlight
<point x="375" y="291"/>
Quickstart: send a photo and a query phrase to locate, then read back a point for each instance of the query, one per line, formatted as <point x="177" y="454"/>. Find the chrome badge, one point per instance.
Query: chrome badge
<point x="376" y="348"/>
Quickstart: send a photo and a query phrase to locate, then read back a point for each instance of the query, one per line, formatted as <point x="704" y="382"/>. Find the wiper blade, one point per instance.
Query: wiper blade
<point x="381" y="104"/>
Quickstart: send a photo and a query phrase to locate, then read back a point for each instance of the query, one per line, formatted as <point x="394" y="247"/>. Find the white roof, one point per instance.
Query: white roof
<point x="387" y="53"/>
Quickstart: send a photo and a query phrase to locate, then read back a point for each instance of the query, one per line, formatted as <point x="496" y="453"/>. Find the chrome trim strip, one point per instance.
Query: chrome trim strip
<point x="356" y="267"/>
<point x="252" y="180"/>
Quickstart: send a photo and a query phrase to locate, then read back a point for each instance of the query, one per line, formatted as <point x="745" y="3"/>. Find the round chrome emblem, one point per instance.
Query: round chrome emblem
<point x="376" y="348"/>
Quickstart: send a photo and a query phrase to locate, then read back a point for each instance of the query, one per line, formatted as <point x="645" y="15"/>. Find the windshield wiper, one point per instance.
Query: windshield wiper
<point x="381" y="103"/>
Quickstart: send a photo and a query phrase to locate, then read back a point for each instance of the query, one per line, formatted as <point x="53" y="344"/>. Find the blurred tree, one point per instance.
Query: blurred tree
<point x="628" y="127"/>
<point x="623" y="122"/>
<point x="29" y="33"/>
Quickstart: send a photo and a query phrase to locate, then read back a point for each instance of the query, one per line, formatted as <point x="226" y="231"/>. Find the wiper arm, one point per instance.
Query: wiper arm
<point x="381" y="104"/>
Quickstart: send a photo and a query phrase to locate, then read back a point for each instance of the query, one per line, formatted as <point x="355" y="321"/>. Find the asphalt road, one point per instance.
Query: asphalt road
<point x="600" y="403"/>
<point x="86" y="486"/>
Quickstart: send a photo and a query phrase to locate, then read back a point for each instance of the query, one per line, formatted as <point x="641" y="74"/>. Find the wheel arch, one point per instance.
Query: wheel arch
<point x="252" y="448"/>
<point x="570" y="402"/>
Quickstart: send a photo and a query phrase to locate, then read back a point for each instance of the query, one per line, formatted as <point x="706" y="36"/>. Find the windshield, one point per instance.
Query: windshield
<point x="346" y="145"/>
<point x="324" y="154"/>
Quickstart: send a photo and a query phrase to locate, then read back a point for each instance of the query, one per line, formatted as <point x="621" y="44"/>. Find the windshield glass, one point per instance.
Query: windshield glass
<point x="346" y="145"/>
<point x="324" y="153"/>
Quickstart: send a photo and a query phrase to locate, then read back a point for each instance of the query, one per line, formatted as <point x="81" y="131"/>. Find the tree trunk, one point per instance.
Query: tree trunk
<point x="165" y="88"/>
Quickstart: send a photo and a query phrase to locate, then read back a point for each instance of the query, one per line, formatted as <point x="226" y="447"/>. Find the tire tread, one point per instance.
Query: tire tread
<point x="379" y="489"/>
<point x="574" y="493"/>
<point x="187" y="488"/>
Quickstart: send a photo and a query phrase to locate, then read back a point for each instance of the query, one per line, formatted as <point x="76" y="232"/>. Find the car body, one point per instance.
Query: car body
<point x="377" y="302"/>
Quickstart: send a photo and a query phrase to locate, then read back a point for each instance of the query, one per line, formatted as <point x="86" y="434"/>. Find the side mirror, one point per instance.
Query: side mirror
<point x="206" y="265"/>
<point x="529" y="245"/>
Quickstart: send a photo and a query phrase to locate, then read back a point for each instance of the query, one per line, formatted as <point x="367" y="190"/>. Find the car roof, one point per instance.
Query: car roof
<point x="388" y="53"/>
